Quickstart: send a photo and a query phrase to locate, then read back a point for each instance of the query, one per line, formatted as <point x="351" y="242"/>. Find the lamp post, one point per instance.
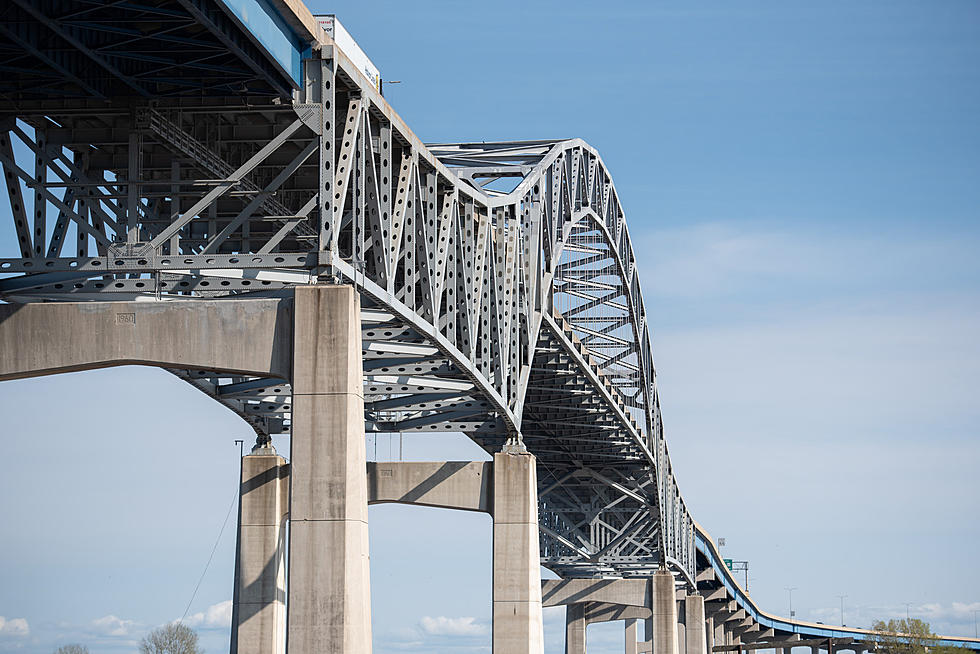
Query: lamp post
<point x="791" y="612"/>
<point x="842" y="610"/>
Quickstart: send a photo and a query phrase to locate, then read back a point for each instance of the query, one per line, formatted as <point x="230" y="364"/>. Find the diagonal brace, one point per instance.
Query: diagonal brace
<point x="226" y="184"/>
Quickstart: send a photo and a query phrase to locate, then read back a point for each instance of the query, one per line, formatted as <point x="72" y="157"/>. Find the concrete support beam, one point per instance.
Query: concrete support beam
<point x="463" y="485"/>
<point x="694" y="632"/>
<point x="627" y="592"/>
<point x="517" y="618"/>
<point x="329" y="575"/>
<point x="575" y="628"/>
<point x="259" y="608"/>
<point x="705" y="575"/>
<point x="737" y="618"/>
<point x="664" y="613"/>
<point x="251" y="337"/>
<point x="790" y="642"/>
<point x="715" y="594"/>
<point x="602" y="612"/>
<point x="709" y="632"/>
<point x="630" y="637"/>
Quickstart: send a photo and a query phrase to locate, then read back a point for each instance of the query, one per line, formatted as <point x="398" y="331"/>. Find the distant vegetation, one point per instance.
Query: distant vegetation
<point x="911" y="636"/>
<point x="74" y="648"/>
<point x="173" y="638"/>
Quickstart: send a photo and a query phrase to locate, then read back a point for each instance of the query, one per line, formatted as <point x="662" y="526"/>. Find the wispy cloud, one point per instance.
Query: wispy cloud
<point x="443" y="626"/>
<point x="955" y="619"/>
<point x="713" y="260"/>
<point x="14" y="627"/>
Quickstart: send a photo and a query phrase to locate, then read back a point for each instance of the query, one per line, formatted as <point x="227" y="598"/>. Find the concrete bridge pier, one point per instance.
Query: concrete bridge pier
<point x="259" y="607"/>
<point x="721" y="634"/>
<point x="329" y="609"/>
<point x="517" y="609"/>
<point x="575" y="626"/>
<point x="664" y="613"/>
<point x="694" y="625"/>
<point x="631" y="641"/>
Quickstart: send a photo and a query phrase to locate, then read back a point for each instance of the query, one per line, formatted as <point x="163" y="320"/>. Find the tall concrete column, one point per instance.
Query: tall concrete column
<point x="664" y="613"/>
<point x="259" y="607"/>
<point x="631" y="639"/>
<point x="721" y="635"/>
<point x="733" y="637"/>
<point x="517" y="618"/>
<point x="709" y="632"/>
<point x="694" y="633"/>
<point x="681" y="626"/>
<point x="329" y="608"/>
<point x="575" y="628"/>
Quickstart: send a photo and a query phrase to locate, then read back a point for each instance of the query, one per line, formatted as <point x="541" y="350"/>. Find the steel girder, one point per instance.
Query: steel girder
<point x="500" y="296"/>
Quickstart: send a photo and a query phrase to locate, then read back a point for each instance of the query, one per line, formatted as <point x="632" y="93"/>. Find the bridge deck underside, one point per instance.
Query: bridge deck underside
<point x="72" y="49"/>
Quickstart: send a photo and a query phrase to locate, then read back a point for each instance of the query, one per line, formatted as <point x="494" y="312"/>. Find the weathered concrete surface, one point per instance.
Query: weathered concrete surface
<point x="664" y="613"/>
<point x="517" y="619"/>
<point x="463" y="485"/>
<point x="246" y="336"/>
<point x="630" y="592"/>
<point x="603" y="612"/>
<point x="329" y="573"/>
<point x="259" y="611"/>
<point x="575" y="626"/>
<point x="721" y="634"/>
<point x="630" y="644"/>
<point x="694" y="629"/>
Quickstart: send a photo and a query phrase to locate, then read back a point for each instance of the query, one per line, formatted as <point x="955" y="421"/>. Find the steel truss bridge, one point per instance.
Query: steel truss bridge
<point x="177" y="149"/>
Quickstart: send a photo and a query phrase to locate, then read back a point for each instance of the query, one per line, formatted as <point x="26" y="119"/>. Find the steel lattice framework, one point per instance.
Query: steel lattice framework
<point x="499" y="285"/>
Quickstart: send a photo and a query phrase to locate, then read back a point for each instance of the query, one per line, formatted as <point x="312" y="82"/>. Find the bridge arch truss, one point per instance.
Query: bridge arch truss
<point x="501" y="291"/>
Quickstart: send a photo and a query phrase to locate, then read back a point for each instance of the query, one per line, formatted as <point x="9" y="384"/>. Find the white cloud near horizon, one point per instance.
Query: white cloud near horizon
<point x="216" y="616"/>
<point x="444" y="626"/>
<point x="14" y="627"/>
<point x="111" y="625"/>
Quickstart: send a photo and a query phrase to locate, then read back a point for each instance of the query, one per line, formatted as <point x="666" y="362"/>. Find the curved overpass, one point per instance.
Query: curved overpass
<point x="500" y="289"/>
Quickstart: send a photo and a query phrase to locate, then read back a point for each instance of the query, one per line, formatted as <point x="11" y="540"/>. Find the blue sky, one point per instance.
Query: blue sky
<point x="802" y="183"/>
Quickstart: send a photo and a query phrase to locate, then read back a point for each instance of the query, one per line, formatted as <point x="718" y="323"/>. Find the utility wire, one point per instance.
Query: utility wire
<point x="224" y="524"/>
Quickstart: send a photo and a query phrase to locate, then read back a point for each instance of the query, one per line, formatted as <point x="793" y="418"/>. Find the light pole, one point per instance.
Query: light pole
<point x="791" y="612"/>
<point x="842" y="610"/>
<point x="975" y="634"/>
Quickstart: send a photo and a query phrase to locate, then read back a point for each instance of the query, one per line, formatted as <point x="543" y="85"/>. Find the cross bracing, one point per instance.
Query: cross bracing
<point x="500" y="294"/>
